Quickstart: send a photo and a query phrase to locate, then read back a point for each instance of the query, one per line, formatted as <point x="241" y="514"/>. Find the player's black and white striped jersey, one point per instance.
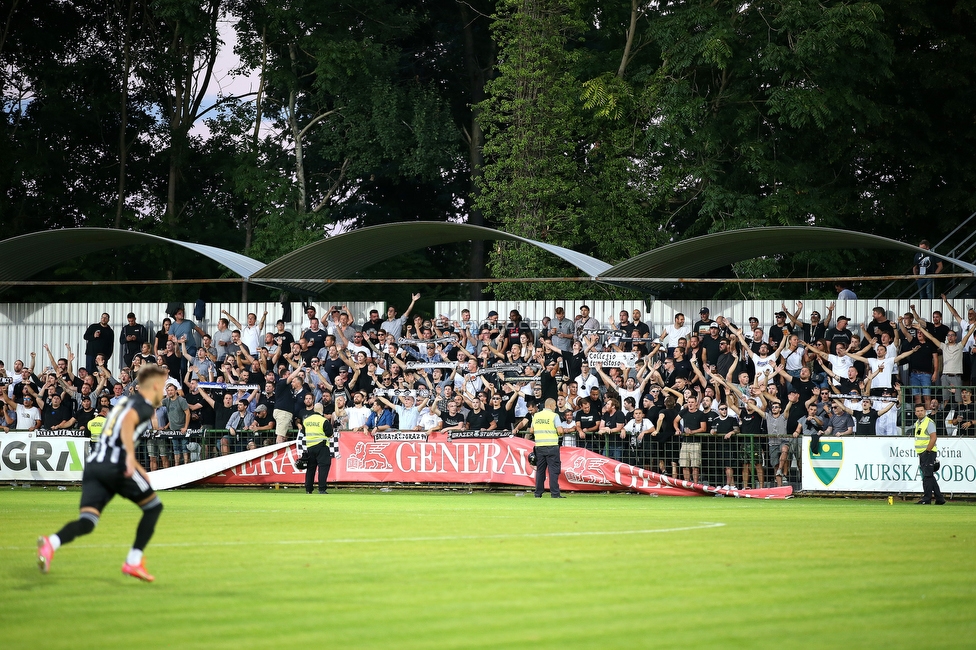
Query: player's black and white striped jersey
<point x="109" y="448"/>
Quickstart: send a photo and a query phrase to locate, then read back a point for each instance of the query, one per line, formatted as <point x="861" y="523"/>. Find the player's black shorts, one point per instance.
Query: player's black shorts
<point x="102" y="481"/>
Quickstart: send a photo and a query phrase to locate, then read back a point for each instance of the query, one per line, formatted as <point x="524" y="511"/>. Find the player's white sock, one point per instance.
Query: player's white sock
<point x="55" y="541"/>
<point x="134" y="557"/>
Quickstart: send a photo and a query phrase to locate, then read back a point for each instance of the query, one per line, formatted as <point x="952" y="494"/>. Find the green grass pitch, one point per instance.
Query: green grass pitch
<point x="360" y="568"/>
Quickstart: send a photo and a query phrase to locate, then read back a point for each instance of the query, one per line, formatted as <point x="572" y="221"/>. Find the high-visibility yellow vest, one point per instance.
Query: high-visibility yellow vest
<point x="95" y="426"/>
<point x="922" y="435"/>
<point x="315" y="430"/>
<point x="544" y="429"/>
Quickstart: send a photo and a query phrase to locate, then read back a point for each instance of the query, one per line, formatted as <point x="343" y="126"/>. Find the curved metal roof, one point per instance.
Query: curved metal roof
<point x="698" y="255"/>
<point x="341" y="256"/>
<point x="25" y="255"/>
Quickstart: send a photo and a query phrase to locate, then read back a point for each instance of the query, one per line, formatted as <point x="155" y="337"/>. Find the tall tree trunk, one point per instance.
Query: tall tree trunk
<point x="477" y="76"/>
<point x="124" y="111"/>
<point x="255" y="141"/>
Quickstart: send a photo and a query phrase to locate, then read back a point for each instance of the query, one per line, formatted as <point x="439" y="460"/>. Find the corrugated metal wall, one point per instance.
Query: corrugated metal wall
<point x="534" y="310"/>
<point x="661" y="312"/>
<point x="26" y="327"/>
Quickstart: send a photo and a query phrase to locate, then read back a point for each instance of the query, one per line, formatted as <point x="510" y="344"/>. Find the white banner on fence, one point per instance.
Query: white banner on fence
<point x="886" y="464"/>
<point x="28" y="457"/>
<point x="612" y="359"/>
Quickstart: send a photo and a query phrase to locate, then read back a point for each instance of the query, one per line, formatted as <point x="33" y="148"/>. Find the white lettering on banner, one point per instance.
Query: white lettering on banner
<point x="886" y="464"/>
<point x="459" y="457"/>
<point x="612" y="359"/>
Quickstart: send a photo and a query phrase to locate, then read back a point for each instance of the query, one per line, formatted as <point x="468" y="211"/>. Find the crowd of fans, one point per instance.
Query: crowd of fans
<point x="711" y="401"/>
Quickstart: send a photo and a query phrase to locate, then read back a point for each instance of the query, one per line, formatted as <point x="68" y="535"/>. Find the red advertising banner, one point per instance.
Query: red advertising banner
<point x="440" y="459"/>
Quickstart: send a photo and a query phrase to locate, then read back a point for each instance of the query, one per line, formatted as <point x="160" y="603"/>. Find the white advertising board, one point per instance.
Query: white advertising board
<point x="886" y="464"/>
<point x="32" y="456"/>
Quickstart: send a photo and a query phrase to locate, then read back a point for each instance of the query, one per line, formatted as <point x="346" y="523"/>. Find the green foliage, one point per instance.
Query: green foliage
<point x="556" y="123"/>
<point x="529" y="184"/>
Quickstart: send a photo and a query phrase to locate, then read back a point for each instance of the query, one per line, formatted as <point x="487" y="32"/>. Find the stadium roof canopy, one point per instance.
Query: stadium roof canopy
<point x="698" y="255"/>
<point x="25" y="255"/>
<point x="343" y="255"/>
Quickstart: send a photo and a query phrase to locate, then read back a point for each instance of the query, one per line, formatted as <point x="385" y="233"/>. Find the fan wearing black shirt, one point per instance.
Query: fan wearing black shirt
<point x="662" y="444"/>
<point x="866" y="420"/>
<point x="57" y="414"/>
<point x="689" y="422"/>
<point x="501" y="411"/>
<point x="478" y="418"/>
<point x="726" y="425"/>
<point x="612" y="428"/>
<point x="587" y="425"/>
<point x="452" y="419"/>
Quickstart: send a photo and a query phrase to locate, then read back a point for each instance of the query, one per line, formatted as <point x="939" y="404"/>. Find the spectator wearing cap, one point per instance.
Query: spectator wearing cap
<point x="57" y="413"/>
<point x="711" y="344"/>
<point x="282" y="337"/>
<point x="239" y="421"/>
<point x="704" y="323"/>
<point x="779" y="330"/>
<point x="261" y="428"/>
<point x="493" y="328"/>
<point x="839" y="334"/>
<point x="816" y="329"/>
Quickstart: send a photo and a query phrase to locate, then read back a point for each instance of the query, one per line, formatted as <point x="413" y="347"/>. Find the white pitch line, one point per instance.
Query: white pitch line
<point x="388" y="540"/>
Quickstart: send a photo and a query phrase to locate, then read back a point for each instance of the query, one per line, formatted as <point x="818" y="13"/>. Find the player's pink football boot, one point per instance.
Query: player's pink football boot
<point x="138" y="571"/>
<point x="45" y="553"/>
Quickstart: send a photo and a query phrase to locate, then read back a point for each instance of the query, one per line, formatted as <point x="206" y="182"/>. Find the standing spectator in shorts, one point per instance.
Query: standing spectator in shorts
<point x="99" y="339"/>
<point x="952" y="353"/>
<point x="690" y="421"/>
<point x="289" y="397"/>
<point x="177" y="421"/>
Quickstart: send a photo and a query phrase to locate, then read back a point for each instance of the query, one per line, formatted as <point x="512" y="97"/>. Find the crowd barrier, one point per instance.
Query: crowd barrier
<point x="848" y="464"/>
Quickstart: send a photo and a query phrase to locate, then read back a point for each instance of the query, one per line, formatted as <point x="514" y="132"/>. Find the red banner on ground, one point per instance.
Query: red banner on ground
<point x="501" y="461"/>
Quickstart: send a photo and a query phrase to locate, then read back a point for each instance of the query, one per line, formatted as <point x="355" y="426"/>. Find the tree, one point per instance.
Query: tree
<point x="529" y="184"/>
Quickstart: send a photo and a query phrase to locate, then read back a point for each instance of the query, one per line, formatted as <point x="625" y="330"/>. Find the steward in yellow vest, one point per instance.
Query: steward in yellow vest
<point x="925" y="437"/>
<point x="545" y="430"/>
<point x="95" y="426"/>
<point x="318" y="436"/>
